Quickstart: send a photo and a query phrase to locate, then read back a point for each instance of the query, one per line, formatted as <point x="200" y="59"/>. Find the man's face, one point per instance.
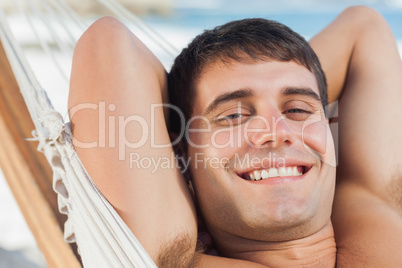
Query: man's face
<point x="253" y="120"/>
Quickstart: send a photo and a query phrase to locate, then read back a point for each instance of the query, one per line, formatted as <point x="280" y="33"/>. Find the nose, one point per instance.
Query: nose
<point x="273" y="131"/>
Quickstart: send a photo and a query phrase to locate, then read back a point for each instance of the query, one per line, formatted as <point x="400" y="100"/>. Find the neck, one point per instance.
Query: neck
<point x="315" y="250"/>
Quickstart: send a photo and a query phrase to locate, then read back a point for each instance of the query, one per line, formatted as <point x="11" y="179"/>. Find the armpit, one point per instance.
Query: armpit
<point x="179" y="252"/>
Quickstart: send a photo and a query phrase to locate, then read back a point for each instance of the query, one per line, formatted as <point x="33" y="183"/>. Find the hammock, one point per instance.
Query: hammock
<point x="102" y="237"/>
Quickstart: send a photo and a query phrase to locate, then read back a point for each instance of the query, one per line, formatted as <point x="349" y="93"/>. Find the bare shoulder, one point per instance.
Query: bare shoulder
<point x="368" y="229"/>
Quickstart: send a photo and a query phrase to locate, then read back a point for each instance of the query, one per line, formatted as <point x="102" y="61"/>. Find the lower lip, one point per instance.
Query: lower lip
<point x="278" y="180"/>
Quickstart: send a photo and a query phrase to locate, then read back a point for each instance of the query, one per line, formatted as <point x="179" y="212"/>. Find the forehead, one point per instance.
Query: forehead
<point x="263" y="78"/>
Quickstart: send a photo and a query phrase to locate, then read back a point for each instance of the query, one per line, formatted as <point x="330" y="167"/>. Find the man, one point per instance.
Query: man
<point x="261" y="155"/>
<point x="257" y="95"/>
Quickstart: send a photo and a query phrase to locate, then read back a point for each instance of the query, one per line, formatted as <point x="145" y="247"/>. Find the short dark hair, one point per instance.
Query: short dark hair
<point x="242" y="40"/>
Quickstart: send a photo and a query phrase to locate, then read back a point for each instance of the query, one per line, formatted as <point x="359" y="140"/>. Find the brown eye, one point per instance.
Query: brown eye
<point x="297" y="111"/>
<point x="297" y="114"/>
<point x="232" y="119"/>
<point x="232" y="116"/>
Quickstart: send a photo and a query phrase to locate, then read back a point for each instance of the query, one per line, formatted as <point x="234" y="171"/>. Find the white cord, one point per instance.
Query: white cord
<point x="122" y="12"/>
<point x="42" y="43"/>
<point x="35" y="97"/>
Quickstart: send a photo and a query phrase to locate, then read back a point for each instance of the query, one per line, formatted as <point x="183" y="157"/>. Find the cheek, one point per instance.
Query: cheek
<point x="222" y="138"/>
<point x="227" y="138"/>
<point x="318" y="140"/>
<point x="210" y="188"/>
<point x="216" y="142"/>
<point x="199" y="139"/>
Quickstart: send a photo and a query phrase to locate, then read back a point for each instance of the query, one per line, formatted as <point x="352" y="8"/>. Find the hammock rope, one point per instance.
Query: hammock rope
<point x="101" y="235"/>
<point x="69" y="15"/>
<point x="54" y="16"/>
<point x="124" y="14"/>
<point x="36" y="7"/>
<point x="38" y="16"/>
<point x="24" y="74"/>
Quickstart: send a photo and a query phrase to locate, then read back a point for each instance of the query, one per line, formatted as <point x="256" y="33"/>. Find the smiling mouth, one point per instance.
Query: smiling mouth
<point x="263" y="174"/>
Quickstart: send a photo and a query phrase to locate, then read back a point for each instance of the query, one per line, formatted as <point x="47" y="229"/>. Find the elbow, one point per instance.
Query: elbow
<point x="101" y="38"/>
<point x="365" y="18"/>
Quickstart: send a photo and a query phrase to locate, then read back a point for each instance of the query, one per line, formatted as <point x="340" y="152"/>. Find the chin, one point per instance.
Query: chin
<point x="285" y="221"/>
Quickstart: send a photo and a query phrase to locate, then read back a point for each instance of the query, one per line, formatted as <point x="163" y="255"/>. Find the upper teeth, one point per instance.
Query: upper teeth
<point x="274" y="172"/>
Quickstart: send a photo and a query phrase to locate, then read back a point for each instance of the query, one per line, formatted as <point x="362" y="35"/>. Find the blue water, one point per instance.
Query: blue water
<point x="305" y="17"/>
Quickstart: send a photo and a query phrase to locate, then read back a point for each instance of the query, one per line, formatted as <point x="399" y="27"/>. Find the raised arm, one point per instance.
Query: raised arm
<point x="115" y="80"/>
<point x="364" y="70"/>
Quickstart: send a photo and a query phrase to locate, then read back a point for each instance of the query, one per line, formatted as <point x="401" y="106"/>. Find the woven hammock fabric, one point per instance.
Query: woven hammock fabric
<point x="103" y="239"/>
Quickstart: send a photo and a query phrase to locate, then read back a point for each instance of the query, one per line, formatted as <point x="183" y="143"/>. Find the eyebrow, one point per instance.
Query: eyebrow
<point x="225" y="97"/>
<point x="300" y="91"/>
